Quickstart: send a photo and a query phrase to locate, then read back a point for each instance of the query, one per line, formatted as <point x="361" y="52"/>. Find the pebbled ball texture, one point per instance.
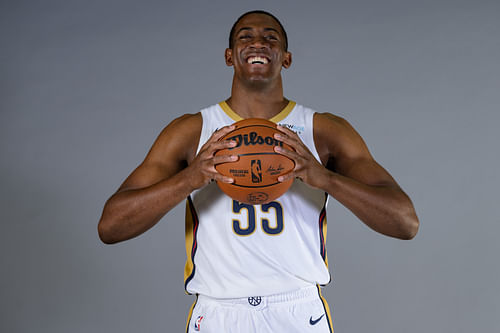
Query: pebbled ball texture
<point x="257" y="170"/>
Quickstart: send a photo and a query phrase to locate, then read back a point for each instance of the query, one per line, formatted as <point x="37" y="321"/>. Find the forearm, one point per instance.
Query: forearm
<point x="384" y="208"/>
<point x="130" y="213"/>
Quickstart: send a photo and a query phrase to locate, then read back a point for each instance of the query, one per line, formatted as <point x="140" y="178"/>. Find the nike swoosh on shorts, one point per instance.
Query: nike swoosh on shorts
<point x="314" y="322"/>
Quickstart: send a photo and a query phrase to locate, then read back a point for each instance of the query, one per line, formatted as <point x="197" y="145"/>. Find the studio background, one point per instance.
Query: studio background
<point x="86" y="86"/>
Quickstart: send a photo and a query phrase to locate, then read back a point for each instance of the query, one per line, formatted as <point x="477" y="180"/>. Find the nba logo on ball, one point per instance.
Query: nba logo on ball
<point x="256" y="171"/>
<point x="197" y="323"/>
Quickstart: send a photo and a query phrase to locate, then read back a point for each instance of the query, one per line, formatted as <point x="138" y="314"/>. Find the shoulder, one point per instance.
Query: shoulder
<point x="336" y="137"/>
<point x="186" y="122"/>
<point x="326" y="119"/>
<point x="180" y="138"/>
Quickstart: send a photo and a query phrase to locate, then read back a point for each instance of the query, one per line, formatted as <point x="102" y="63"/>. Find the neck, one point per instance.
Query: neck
<point x="257" y="100"/>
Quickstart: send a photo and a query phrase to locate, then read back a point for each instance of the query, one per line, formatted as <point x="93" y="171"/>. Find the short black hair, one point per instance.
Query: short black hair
<point x="231" y="34"/>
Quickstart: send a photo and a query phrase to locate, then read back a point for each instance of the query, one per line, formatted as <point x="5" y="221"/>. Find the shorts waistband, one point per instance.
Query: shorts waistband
<point x="302" y="294"/>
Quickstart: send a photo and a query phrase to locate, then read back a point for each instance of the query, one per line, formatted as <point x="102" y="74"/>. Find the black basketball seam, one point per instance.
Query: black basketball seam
<point x="266" y="126"/>
<point x="257" y="186"/>
<point x="250" y="154"/>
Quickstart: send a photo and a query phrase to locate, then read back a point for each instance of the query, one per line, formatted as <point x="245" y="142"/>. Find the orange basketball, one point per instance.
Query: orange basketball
<point x="257" y="170"/>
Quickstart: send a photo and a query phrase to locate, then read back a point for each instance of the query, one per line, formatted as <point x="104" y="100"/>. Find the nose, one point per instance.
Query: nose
<point x="259" y="42"/>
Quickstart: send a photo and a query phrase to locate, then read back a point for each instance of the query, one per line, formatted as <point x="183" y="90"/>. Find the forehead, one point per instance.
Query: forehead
<point x="258" y="21"/>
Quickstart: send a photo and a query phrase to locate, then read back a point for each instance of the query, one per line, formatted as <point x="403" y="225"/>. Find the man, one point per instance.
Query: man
<point x="257" y="281"/>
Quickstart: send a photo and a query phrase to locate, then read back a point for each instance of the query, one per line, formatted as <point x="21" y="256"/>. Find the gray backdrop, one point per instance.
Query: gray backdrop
<point x="86" y="86"/>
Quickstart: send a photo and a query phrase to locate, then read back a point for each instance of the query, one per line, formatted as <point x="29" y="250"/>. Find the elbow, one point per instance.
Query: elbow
<point x="105" y="234"/>
<point x="408" y="220"/>
<point x="409" y="234"/>
<point x="410" y="227"/>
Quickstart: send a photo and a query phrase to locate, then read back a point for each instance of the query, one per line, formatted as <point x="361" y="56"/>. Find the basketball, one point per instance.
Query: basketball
<point x="257" y="170"/>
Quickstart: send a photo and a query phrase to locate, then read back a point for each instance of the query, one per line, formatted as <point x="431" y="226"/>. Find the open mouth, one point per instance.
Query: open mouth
<point x="257" y="60"/>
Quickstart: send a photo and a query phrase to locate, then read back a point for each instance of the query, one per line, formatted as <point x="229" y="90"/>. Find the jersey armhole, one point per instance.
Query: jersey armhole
<point x="313" y="145"/>
<point x="203" y="138"/>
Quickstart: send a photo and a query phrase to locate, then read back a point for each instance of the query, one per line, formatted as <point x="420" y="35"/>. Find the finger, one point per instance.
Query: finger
<point x="290" y="139"/>
<point x="293" y="155"/>
<point x="284" y="138"/>
<point x="217" y="135"/>
<point x="287" y="131"/>
<point x="212" y="174"/>
<point x="221" y="178"/>
<point x="286" y="177"/>
<point x="224" y="144"/>
<point x="225" y="159"/>
<point x="210" y="148"/>
<point x="295" y="142"/>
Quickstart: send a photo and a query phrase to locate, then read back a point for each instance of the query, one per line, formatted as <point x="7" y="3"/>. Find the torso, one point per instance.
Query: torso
<point x="238" y="250"/>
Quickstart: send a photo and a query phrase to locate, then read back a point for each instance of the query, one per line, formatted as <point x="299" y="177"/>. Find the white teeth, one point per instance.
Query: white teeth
<point x="257" y="60"/>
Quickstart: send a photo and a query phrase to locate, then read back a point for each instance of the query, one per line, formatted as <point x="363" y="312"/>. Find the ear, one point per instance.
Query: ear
<point x="287" y="60"/>
<point x="228" y="55"/>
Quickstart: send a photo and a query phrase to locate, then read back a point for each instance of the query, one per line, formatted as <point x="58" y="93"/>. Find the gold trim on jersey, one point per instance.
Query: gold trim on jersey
<point x="284" y="113"/>
<point x="323" y="228"/>
<point x="325" y="258"/>
<point x="277" y="118"/>
<point x="191" y="244"/>
<point x="190" y="314"/>
<point x="227" y="109"/>
<point x="327" y="309"/>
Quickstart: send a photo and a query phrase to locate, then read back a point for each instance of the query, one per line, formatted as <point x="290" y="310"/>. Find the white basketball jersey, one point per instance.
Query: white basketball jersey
<point x="239" y="250"/>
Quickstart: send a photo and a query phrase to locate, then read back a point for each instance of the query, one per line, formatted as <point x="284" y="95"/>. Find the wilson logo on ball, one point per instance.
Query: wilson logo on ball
<point x="252" y="139"/>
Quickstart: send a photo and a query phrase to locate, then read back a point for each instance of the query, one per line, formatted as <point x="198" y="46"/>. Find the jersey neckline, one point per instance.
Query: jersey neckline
<point x="277" y="118"/>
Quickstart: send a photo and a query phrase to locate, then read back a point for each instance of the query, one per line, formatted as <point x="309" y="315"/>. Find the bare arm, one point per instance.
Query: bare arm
<point x="169" y="173"/>
<point x="351" y="175"/>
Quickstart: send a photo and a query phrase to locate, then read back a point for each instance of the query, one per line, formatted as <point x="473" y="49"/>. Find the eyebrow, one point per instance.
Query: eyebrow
<point x="250" y="28"/>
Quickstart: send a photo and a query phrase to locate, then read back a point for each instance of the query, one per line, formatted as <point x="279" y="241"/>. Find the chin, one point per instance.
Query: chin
<point x="256" y="82"/>
<point x="259" y="77"/>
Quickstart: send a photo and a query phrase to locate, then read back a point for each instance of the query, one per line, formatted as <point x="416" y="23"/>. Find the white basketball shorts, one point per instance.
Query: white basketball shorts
<point x="300" y="311"/>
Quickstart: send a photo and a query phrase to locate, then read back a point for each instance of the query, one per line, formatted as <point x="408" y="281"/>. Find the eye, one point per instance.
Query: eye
<point x="245" y="37"/>
<point x="271" y="37"/>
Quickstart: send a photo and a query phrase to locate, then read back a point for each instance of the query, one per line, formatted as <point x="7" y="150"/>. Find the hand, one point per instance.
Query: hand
<point x="202" y="168"/>
<point x="307" y="167"/>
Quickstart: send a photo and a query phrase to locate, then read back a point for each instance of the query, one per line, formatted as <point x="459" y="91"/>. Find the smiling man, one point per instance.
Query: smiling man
<point x="258" y="281"/>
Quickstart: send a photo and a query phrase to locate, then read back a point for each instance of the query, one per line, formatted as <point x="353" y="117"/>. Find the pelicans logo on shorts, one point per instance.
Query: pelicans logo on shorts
<point x="254" y="301"/>
<point x="197" y="323"/>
